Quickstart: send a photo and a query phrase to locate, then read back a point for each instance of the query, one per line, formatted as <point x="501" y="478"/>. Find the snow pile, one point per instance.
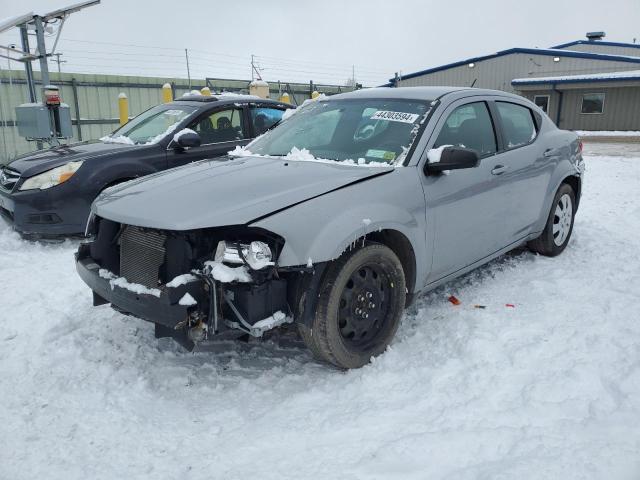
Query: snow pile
<point x="182" y="132"/>
<point x="607" y="133"/>
<point x="629" y="74"/>
<point x="119" y="139"/>
<point x="299" y="155"/>
<point x="115" y="281"/>
<point x="182" y="280"/>
<point x="434" y="155"/>
<point x="241" y="152"/>
<point x="271" y="322"/>
<point x="546" y="390"/>
<point x="225" y="274"/>
<point x="187" y="300"/>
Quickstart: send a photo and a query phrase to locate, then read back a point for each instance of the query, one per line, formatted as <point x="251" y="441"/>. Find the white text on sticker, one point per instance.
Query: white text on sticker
<point x="395" y="116"/>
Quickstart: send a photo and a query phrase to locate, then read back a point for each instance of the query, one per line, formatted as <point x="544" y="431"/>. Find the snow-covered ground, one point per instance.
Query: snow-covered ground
<point x="549" y="389"/>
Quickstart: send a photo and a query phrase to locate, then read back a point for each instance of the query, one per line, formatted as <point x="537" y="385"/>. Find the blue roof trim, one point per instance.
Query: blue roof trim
<point x="598" y="42"/>
<point x="533" y="51"/>
<point x="533" y="81"/>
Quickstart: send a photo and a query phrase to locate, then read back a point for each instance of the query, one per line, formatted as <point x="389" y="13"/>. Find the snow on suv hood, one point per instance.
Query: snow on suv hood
<point x="222" y="192"/>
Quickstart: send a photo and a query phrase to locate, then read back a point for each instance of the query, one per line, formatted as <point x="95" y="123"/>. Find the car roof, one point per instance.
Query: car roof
<point x="226" y="99"/>
<point x="421" y="93"/>
<point x="410" y="93"/>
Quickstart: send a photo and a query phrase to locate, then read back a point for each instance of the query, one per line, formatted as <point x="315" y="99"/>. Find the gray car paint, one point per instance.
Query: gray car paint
<point x="454" y="222"/>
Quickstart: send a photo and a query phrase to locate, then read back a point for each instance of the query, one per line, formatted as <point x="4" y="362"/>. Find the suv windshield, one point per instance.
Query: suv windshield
<point x="150" y="126"/>
<point x="361" y="131"/>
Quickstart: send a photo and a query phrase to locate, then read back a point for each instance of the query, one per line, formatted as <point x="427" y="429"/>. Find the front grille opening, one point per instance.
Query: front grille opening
<point x="142" y="253"/>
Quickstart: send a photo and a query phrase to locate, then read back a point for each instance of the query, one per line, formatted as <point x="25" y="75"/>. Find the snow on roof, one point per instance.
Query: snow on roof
<point x="591" y="77"/>
<point x="532" y="51"/>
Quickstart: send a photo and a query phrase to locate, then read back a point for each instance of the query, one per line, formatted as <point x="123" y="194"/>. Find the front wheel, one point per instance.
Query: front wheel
<point x="359" y="309"/>
<point x="557" y="231"/>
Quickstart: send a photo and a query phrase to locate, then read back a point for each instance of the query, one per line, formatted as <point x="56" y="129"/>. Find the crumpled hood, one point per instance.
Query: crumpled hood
<point x="222" y="192"/>
<point x="40" y="161"/>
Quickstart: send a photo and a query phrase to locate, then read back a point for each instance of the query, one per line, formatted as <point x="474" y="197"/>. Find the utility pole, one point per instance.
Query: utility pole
<point x="24" y="36"/>
<point x="186" y="55"/>
<point x="58" y="61"/>
<point x="353" y="76"/>
<point x="42" y="52"/>
<point x="255" y="72"/>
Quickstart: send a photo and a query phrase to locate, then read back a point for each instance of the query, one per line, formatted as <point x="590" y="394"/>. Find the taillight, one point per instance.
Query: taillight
<point x="579" y="146"/>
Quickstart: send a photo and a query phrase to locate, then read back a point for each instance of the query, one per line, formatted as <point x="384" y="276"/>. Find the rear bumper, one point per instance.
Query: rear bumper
<point x="55" y="211"/>
<point x="164" y="310"/>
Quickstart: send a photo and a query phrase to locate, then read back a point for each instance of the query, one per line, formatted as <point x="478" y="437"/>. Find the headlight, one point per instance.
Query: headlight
<point x="255" y="254"/>
<point x="52" y="177"/>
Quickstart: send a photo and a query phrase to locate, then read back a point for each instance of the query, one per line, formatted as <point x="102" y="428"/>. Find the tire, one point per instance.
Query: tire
<point x="360" y="305"/>
<point x="559" y="226"/>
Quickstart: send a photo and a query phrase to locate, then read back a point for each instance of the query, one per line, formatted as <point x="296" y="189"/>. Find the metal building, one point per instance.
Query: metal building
<point x="583" y="85"/>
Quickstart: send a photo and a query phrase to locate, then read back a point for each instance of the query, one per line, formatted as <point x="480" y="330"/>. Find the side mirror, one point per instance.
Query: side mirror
<point x="451" y="158"/>
<point x="187" y="140"/>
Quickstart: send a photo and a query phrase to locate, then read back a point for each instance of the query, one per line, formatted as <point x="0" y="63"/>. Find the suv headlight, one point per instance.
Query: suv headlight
<point x="255" y="254"/>
<point x="52" y="177"/>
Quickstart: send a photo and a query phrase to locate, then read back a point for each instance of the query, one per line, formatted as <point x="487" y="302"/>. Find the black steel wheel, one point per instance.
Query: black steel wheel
<point x="361" y="302"/>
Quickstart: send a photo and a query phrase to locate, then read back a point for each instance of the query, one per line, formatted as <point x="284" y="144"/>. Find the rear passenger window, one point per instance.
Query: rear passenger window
<point x="518" y="127"/>
<point x="469" y="126"/>
<point x="264" y="118"/>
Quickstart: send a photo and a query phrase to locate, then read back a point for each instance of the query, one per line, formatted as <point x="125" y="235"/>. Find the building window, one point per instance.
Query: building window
<point x="592" y="103"/>
<point x="543" y="102"/>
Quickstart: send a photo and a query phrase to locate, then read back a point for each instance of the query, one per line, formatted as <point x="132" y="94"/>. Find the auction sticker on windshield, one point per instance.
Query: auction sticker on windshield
<point x="383" y="154"/>
<point x="395" y="116"/>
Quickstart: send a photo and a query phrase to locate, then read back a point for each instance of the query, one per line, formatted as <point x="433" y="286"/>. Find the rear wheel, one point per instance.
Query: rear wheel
<point x="557" y="231"/>
<point x="359" y="309"/>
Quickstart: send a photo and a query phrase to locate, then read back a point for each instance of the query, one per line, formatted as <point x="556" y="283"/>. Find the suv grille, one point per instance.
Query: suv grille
<point x="8" y="178"/>
<point x="142" y="253"/>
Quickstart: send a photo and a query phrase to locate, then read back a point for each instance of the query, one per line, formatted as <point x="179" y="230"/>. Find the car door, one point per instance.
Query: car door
<point x="528" y="166"/>
<point x="220" y="130"/>
<point x="466" y="208"/>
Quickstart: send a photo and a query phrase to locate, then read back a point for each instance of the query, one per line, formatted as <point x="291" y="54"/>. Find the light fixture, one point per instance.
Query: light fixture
<point x="471" y="65"/>
<point x="556" y="59"/>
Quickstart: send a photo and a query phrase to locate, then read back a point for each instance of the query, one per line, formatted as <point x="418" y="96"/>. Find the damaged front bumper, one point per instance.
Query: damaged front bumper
<point x="163" y="309"/>
<point x="213" y="307"/>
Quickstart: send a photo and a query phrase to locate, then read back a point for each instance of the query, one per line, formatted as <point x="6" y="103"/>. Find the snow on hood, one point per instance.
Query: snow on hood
<point x="222" y="192"/>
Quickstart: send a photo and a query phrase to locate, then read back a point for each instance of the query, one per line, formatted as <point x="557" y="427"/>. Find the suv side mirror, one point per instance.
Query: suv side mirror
<point x="452" y="158"/>
<point x="188" y="140"/>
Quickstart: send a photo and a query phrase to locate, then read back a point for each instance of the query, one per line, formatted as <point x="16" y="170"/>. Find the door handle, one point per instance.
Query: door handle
<point x="549" y="152"/>
<point x="499" y="170"/>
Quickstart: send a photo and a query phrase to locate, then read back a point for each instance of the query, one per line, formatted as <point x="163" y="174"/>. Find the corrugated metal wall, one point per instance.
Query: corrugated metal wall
<point x="97" y="101"/>
<point x="497" y="73"/>
<point x="621" y="106"/>
<point x="607" y="49"/>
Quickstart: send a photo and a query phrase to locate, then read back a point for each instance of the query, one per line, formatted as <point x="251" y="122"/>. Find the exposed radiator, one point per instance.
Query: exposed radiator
<point x="142" y="253"/>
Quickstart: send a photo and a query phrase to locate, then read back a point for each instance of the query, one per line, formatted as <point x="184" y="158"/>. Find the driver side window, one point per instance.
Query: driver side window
<point x="220" y="126"/>
<point x="469" y="126"/>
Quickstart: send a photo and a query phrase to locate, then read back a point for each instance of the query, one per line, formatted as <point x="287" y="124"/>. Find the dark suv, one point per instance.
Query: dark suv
<point x="49" y="193"/>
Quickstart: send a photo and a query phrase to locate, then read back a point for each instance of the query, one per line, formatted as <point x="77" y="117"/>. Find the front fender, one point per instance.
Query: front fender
<point x="321" y="229"/>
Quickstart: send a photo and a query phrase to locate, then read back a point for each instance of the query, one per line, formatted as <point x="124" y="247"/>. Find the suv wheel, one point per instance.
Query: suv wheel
<point x="361" y="302"/>
<point x="557" y="232"/>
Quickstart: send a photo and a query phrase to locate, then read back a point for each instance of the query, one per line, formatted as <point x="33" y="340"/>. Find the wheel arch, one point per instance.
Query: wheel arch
<point x="575" y="182"/>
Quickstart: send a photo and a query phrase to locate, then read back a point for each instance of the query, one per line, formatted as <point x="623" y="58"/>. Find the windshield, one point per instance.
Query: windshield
<point x="362" y="131"/>
<point x="151" y="126"/>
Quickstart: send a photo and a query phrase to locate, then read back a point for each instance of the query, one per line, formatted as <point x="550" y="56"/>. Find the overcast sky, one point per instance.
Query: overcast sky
<point x="297" y="40"/>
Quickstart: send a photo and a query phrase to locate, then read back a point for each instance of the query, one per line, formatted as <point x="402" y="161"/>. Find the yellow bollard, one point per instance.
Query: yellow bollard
<point x="167" y="93"/>
<point x="206" y="91"/>
<point x="123" y="108"/>
<point x="315" y="94"/>
<point x="285" y="98"/>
